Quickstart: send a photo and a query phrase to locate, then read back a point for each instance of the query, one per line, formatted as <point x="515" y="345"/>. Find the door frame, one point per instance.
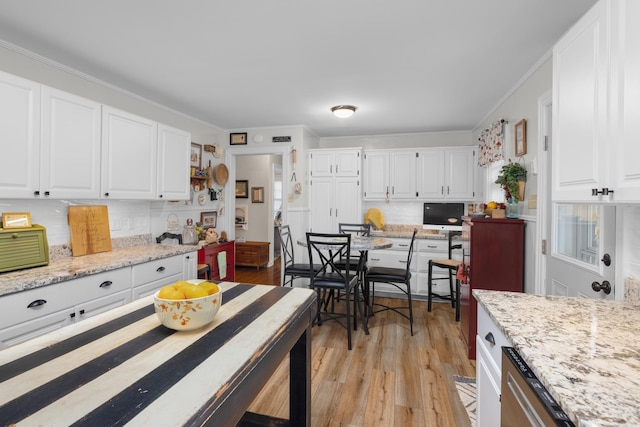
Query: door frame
<point x="231" y="154"/>
<point x="544" y="196"/>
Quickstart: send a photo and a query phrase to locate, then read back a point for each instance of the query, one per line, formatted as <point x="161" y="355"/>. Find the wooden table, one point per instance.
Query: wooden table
<point x="124" y="367"/>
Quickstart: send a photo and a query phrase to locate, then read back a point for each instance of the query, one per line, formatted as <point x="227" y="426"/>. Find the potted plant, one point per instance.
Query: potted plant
<point x="512" y="178"/>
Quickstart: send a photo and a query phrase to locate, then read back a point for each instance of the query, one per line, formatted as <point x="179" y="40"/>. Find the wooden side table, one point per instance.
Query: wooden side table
<point x="252" y="254"/>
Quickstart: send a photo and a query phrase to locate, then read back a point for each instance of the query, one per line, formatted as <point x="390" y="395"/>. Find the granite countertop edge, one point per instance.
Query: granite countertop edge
<point x="586" y="352"/>
<point x="68" y="268"/>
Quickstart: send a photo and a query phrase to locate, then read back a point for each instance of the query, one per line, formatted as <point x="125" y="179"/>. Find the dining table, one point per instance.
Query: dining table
<point x="123" y="367"/>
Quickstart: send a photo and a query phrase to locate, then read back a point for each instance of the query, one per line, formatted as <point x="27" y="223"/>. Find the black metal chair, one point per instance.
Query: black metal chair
<point x="398" y="277"/>
<point x="451" y="266"/>
<point x="292" y="270"/>
<point x="326" y="250"/>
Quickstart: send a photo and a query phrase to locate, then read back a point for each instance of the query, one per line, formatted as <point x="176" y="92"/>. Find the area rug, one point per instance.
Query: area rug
<point x="466" y="387"/>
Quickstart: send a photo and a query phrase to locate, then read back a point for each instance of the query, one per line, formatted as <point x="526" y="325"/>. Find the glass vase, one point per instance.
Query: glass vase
<point x="512" y="208"/>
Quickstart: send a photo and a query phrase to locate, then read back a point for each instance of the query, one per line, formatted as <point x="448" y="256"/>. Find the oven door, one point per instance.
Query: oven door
<point x="525" y="401"/>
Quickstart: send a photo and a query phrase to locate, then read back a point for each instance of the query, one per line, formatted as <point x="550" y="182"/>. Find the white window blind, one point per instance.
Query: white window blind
<point x="493" y="191"/>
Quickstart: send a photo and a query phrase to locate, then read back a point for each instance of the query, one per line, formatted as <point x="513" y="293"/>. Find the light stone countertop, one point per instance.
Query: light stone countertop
<point x="405" y="231"/>
<point x="61" y="269"/>
<point x="586" y="352"/>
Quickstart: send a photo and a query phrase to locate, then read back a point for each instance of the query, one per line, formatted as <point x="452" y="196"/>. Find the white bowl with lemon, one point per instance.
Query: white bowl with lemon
<point x="187" y="304"/>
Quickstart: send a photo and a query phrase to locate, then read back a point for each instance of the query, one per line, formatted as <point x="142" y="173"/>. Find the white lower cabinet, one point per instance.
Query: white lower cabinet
<point x="147" y="278"/>
<point x="489" y="343"/>
<point x="34" y="312"/>
<point x="427" y="250"/>
<point x="394" y="257"/>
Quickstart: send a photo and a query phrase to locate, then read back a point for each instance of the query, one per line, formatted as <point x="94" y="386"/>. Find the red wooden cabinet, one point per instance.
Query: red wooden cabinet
<point x="494" y="252"/>
<point x="209" y="255"/>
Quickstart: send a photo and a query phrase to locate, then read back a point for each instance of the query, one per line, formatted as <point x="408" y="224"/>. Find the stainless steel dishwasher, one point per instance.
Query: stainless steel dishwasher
<point x="525" y="401"/>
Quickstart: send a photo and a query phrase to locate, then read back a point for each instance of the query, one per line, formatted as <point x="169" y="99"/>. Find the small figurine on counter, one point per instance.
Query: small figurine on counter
<point x="211" y="236"/>
<point x="223" y="236"/>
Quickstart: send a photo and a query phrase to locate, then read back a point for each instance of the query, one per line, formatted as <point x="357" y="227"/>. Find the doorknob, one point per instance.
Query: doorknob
<point x="605" y="287"/>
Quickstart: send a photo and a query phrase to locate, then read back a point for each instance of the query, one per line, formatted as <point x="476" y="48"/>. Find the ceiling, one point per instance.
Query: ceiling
<point x="407" y="65"/>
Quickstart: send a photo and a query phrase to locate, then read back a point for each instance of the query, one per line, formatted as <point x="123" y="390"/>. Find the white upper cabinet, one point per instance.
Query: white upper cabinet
<point x="334" y="163"/>
<point x="70" y="146"/>
<point x="173" y="163"/>
<point x="460" y="171"/>
<point x="19" y="136"/>
<point x="402" y="177"/>
<point x="129" y="154"/>
<point x="595" y="126"/>
<point x="420" y="174"/>
<point x="375" y="177"/>
<point x="431" y="178"/>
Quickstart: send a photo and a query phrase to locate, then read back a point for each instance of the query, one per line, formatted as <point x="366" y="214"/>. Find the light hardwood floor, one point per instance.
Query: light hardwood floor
<point x="389" y="378"/>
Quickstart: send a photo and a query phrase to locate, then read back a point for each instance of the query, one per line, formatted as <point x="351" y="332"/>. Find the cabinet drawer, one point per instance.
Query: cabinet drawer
<point x="43" y="301"/>
<point x="399" y="245"/>
<point x="37" y="326"/>
<point x="103" y="284"/>
<point x="156" y="270"/>
<point x="429" y="245"/>
<point x="392" y="259"/>
<point x="487" y="329"/>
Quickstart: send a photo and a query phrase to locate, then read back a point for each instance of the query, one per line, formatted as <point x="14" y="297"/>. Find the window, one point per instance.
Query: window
<point x="493" y="191"/>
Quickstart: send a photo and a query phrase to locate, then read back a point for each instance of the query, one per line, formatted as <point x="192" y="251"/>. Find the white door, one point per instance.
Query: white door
<point x="322" y="205"/>
<point x="582" y="238"/>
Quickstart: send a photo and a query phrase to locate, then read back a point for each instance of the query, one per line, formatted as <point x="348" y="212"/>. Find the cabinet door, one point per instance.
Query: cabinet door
<point x="20" y="136"/>
<point x="321" y="163"/>
<point x="129" y="156"/>
<point x="487" y="389"/>
<point x="579" y="141"/>
<point x="625" y="168"/>
<point x="460" y="173"/>
<point x="70" y="146"/>
<point x="322" y="205"/>
<point x="347" y="163"/>
<point x="347" y="201"/>
<point x="431" y="174"/>
<point x="173" y="163"/>
<point x="375" y="179"/>
<point x="190" y="266"/>
<point x="403" y="175"/>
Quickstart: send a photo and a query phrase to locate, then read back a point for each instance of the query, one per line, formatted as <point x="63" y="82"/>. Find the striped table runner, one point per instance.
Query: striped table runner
<point x="124" y="367"/>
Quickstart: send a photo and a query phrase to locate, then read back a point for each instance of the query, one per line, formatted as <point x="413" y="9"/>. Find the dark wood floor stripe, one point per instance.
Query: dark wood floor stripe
<point x="130" y="402"/>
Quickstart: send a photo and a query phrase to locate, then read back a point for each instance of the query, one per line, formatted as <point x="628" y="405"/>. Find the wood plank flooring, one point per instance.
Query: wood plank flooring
<point x="390" y="378"/>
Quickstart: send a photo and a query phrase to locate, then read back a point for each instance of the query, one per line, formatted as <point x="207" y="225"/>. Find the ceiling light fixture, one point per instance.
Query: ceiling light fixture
<point x="343" y="111"/>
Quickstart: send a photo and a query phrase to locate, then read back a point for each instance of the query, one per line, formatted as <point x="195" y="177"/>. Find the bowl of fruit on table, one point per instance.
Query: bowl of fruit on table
<point x="187" y="304"/>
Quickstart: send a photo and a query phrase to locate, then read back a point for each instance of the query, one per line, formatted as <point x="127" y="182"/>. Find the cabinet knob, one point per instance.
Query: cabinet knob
<point x="36" y="193"/>
<point x="37" y="303"/>
<point x="47" y="193"/>
<point x="106" y="194"/>
<point x="490" y="338"/>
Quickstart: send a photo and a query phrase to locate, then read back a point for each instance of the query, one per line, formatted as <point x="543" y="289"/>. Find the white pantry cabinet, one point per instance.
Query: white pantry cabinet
<point x="595" y="126"/>
<point x="19" y="136"/>
<point x="129" y="151"/>
<point x="335" y="192"/>
<point x="70" y="146"/>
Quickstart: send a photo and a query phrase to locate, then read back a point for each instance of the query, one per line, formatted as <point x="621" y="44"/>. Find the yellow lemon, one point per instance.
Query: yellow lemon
<point x="180" y="283"/>
<point x="211" y="288"/>
<point x="193" y="291"/>
<point x="492" y="205"/>
<point x="169" y="292"/>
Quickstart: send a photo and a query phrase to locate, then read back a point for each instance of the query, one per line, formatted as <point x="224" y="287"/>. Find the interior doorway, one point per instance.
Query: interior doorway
<point x="280" y="155"/>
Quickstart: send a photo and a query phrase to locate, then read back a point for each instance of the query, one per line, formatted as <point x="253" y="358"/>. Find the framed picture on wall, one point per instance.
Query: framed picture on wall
<point x="520" y="132"/>
<point x="242" y="189"/>
<point x="257" y="194"/>
<point x="196" y="156"/>
<point x="208" y="219"/>
<point x="238" y="139"/>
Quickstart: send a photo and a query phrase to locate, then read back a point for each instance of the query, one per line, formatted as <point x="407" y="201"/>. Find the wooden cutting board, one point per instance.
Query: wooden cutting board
<point x="89" y="226"/>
